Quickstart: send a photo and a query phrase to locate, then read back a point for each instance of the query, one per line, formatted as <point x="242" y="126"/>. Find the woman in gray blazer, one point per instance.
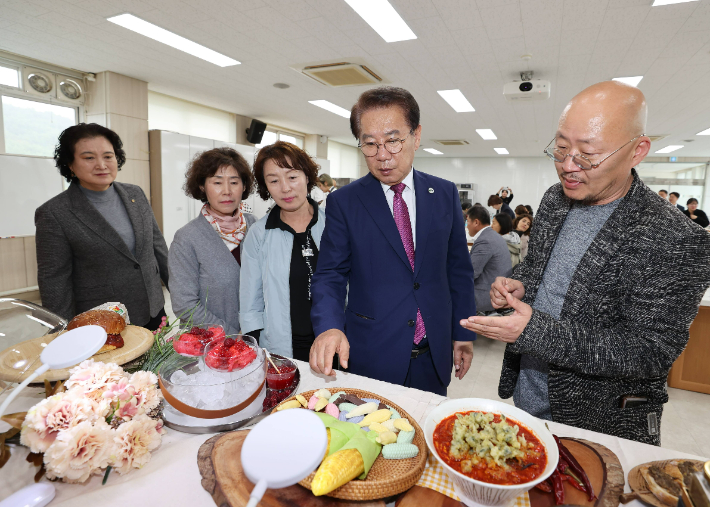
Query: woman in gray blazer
<point x="98" y="241"/>
<point x="206" y="254"/>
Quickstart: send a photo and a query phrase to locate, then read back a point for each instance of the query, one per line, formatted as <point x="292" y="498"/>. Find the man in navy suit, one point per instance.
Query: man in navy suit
<point x="394" y="244"/>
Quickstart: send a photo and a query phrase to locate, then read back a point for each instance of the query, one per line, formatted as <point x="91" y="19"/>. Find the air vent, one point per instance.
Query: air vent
<point x="451" y="142"/>
<point x="657" y="138"/>
<point x="342" y="74"/>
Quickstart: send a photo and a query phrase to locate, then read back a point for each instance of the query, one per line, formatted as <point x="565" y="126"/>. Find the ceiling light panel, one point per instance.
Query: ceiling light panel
<point x="705" y="132"/>
<point x="383" y="19"/>
<point x="433" y="151"/>
<point x="329" y="106"/>
<point x="631" y="80"/>
<point x="656" y="3"/>
<point x="156" y="33"/>
<point x="456" y="100"/>
<point x="486" y="134"/>
<point x="670" y="148"/>
<point x="501" y="151"/>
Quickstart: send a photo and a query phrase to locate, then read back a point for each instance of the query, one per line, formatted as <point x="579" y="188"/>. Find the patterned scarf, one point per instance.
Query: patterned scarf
<point x="231" y="229"/>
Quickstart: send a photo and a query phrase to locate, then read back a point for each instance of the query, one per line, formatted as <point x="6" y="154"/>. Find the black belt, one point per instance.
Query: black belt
<point x="419" y="352"/>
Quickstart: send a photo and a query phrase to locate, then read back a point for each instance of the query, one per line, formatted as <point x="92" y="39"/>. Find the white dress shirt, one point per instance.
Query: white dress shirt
<point x="479" y="233"/>
<point x="409" y="199"/>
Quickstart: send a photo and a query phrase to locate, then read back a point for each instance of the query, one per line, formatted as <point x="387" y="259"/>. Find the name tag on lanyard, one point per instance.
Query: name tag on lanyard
<point x="307" y="252"/>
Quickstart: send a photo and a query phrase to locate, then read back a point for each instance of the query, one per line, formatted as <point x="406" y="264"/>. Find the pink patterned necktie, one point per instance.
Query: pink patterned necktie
<point x="404" y="225"/>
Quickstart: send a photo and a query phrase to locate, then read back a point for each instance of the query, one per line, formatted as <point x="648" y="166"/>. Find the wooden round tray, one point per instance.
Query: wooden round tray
<point x="387" y="477"/>
<point x="136" y="341"/>
<point x="638" y="484"/>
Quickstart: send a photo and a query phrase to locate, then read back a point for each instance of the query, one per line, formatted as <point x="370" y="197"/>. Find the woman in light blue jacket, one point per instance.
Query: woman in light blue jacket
<point x="281" y="253"/>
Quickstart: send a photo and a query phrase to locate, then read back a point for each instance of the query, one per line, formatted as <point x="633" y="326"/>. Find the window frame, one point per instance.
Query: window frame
<point x="21" y="94"/>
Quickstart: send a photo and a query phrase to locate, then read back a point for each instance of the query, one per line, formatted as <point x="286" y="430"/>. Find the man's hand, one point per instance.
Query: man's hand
<point x="504" y="286"/>
<point x="505" y="329"/>
<point x="463" y="354"/>
<point x="326" y="345"/>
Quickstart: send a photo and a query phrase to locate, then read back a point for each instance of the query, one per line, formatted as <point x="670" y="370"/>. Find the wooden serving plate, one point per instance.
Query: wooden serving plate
<point x="602" y="467"/>
<point x="223" y="477"/>
<point x="638" y="484"/>
<point x="136" y="341"/>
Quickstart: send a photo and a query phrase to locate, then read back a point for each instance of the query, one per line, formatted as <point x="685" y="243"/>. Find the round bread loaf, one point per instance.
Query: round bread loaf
<point x="112" y="322"/>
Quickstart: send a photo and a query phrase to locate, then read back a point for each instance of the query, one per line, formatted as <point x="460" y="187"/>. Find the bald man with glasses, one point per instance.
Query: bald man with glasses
<point x="595" y="329"/>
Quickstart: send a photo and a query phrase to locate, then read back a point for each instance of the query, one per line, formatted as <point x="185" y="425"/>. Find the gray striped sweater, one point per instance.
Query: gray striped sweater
<point x="625" y="318"/>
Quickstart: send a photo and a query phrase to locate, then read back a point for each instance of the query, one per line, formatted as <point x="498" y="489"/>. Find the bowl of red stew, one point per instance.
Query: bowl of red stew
<point x="493" y="452"/>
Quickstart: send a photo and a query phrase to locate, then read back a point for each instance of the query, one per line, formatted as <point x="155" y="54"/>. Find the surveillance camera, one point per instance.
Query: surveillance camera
<point x="525" y="86"/>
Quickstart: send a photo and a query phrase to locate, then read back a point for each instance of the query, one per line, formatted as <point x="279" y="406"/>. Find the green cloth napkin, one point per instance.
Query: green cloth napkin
<point x="345" y="435"/>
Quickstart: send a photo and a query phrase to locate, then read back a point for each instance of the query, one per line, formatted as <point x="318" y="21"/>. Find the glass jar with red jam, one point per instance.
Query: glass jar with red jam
<point x="282" y="380"/>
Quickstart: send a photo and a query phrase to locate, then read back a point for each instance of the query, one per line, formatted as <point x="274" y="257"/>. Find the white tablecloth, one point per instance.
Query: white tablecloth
<point x="172" y="477"/>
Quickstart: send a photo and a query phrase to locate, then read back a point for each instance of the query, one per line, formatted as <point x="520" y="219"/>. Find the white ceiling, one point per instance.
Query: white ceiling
<point x="474" y="45"/>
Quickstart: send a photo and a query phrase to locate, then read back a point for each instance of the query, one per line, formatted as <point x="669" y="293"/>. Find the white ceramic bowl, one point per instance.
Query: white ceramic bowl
<point x="473" y="492"/>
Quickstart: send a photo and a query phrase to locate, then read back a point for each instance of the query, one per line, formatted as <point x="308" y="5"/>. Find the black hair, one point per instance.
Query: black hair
<point x="64" y="151"/>
<point x="692" y="199"/>
<point x="465" y="206"/>
<point x="676" y="194"/>
<point x="385" y="96"/>
<point x="663" y="190"/>
<point x="479" y="213"/>
<point x="529" y="208"/>
<point x="505" y="222"/>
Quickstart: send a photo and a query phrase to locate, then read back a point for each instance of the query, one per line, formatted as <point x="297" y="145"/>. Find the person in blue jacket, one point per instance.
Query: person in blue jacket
<point x="394" y="243"/>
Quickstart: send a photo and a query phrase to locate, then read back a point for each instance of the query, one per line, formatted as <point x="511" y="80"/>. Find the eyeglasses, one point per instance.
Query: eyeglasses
<point x="560" y="154"/>
<point x="392" y="145"/>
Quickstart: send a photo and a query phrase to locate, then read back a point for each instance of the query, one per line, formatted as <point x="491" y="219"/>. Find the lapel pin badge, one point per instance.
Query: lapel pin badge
<point x="133" y="200"/>
<point x="431" y="190"/>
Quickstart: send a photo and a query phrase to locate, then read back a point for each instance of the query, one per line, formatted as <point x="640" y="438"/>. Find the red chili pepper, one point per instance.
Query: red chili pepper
<point x="575" y="467"/>
<point x="559" y="488"/>
<point x="544" y="486"/>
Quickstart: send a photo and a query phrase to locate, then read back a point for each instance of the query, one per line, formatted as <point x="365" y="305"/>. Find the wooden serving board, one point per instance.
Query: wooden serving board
<point x="223" y="477"/>
<point x="136" y="341"/>
<point x="602" y="467"/>
<point x="638" y="484"/>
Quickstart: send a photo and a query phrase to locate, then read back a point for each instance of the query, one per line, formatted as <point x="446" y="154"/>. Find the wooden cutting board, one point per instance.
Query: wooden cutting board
<point x="136" y="341"/>
<point x="602" y="467"/>
<point x="220" y="464"/>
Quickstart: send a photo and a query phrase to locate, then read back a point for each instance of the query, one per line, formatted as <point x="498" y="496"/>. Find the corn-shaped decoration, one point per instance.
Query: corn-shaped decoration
<point x="389" y="424"/>
<point x="289" y="404"/>
<point x="320" y="405"/>
<point x="399" y="451"/>
<point x="386" y="438"/>
<point x="395" y="414"/>
<point x="336" y="470"/>
<point x="378" y="428"/>
<point x="327" y="447"/>
<point x="379" y="416"/>
<point x="364" y="409"/>
<point x="335" y="396"/>
<point x="346" y="407"/>
<point x="405" y="437"/>
<point x="403" y="425"/>
<point x="322" y="393"/>
<point x="303" y="401"/>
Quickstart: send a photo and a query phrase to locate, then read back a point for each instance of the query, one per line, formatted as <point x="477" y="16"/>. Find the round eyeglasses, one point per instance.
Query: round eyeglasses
<point x="393" y="146"/>
<point x="559" y="154"/>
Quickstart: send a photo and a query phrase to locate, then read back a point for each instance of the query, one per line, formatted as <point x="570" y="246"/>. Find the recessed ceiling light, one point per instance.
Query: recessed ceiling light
<point x="329" y="106"/>
<point x="433" y="151"/>
<point x="705" y="132"/>
<point x="632" y="80"/>
<point x="486" y="134"/>
<point x="456" y="100"/>
<point x="656" y="3"/>
<point x="171" y="39"/>
<point x="281" y="86"/>
<point x="383" y="19"/>
<point x="501" y="151"/>
<point x="670" y="148"/>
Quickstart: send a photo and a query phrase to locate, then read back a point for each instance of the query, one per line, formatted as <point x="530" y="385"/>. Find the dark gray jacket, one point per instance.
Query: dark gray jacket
<point x="626" y="315"/>
<point x="204" y="275"/>
<point x="490" y="259"/>
<point x="82" y="262"/>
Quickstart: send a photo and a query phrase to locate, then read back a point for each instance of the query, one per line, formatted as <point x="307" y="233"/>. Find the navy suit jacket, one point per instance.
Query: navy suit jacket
<point x="361" y="246"/>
